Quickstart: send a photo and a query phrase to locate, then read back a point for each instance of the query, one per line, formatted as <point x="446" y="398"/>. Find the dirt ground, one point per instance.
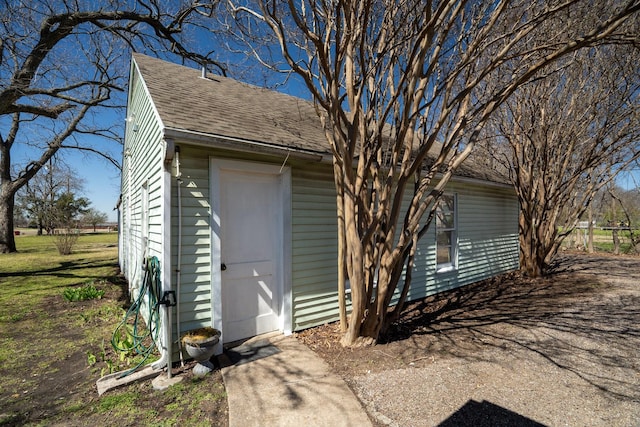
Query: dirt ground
<point x="511" y="351"/>
<point x="61" y="390"/>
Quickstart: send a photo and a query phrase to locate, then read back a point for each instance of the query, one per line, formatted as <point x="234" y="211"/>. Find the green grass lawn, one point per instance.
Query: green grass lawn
<point x="603" y="240"/>
<point x="37" y="270"/>
<point x="52" y="350"/>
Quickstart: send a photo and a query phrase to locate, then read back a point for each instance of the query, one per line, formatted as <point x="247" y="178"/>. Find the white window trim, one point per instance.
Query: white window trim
<point x="452" y="265"/>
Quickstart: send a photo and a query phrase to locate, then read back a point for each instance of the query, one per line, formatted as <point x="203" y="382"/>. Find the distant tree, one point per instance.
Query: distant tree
<point x="610" y="201"/>
<point x="68" y="208"/>
<point x="62" y="67"/>
<point x="94" y="217"/>
<point x="629" y="217"/>
<point x="563" y="138"/>
<point x="35" y="201"/>
<point x="403" y="89"/>
<point x="39" y="197"/>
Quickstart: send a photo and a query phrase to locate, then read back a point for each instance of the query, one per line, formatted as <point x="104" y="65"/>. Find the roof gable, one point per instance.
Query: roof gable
<point x="224" y="107"/>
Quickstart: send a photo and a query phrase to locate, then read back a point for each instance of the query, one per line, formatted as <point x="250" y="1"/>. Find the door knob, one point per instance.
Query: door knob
<point x="223" y="267"/>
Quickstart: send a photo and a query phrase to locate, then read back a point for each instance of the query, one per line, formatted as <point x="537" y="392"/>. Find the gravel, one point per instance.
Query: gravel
<point x="558" y="351"/>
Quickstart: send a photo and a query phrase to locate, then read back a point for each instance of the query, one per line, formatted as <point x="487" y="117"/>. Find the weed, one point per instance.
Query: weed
<point x="91" y="359"/>
<point x="14" y="317"/>
<point x="123" y="341"/>
<point x="39" y="327"/>
<point x="6" y="344"/>
<point x="74" y="407"/>
<point x="83" y="293"/>
<point x="109" y="369"/>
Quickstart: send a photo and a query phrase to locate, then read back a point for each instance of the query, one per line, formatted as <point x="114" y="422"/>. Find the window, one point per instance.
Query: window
<point x="446" y="236"/>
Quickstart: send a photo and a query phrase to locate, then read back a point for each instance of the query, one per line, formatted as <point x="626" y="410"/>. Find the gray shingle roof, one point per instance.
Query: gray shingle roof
<point x="225" y="107"/>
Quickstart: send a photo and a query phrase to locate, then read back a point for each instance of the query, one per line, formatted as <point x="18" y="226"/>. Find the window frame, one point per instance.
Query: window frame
<point x="452" y="264"/>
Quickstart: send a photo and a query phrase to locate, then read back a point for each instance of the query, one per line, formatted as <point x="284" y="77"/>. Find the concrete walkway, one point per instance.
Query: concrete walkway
<point x="276" y="381"/>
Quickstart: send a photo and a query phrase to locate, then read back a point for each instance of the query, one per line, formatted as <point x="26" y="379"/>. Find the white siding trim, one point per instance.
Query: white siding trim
<point x="147" y="94"/>
<point x="286" y="311"/>
<point x="165" y="263"/>
<point x="216" y="261"/>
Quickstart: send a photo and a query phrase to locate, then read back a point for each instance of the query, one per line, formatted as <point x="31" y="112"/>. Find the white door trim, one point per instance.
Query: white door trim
<point x="283" y="265"/>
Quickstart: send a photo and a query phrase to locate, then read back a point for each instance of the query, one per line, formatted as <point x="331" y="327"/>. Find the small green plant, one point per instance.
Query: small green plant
<point x="91" y="359"/>
<point x="123" y="340"/>
<point x="86" y="292"/>
<point x="14" y="317"/>
<point x="109" y="369"/>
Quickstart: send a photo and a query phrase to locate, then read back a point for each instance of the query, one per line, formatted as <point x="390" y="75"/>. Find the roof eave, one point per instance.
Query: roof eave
<point x="241" y="145"/>
<point x="480" y="181"/>
<point x="225" y="142"/>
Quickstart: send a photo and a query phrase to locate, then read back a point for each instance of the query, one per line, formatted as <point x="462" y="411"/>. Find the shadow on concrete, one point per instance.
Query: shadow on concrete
<point x="285" y="384"/>
<point x="487" y="414"/>
<point x="250" y="352"/>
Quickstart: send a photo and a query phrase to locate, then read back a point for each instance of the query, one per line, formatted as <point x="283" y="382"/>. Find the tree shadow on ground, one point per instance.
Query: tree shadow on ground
<point x="64" y="269"/>
<point x="486" y="414"/>
<point x="581" y="318"/>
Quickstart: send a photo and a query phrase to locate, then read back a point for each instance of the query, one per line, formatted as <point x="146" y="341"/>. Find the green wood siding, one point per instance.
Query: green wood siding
<point x="487" y="241"/>
<point x="487" y="244"/>
<point x="141" y="181"/>
<point x="314" y="247"/>
<point x="486" y="226"/>
<point x="195" y="216"/>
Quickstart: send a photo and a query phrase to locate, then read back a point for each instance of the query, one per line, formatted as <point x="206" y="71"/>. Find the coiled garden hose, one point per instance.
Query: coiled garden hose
<point x="133" y="326"/>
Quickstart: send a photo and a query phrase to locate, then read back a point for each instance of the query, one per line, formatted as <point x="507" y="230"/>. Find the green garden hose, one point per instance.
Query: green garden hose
<point x="132" y="332"/>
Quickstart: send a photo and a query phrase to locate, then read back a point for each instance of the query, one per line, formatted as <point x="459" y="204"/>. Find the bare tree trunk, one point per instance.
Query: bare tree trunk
<point x="342" y="295"/>
<point x="590" y="244"/>
<point x="614" y="224"/>
<point x="561" y="140"/>
<point x="41" y="94"/>
<point x="355" y="267"/>
<point x="7" y="239"/>
<point x="616" y="241"/>
<point x="532" y="253"/>
<point x="404" y="90"/>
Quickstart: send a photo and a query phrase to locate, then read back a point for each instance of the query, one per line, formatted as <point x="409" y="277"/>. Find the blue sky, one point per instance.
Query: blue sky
<point x="101" y="178"/>
<point x="630" y="179"/>
<point x="102" y="182"/>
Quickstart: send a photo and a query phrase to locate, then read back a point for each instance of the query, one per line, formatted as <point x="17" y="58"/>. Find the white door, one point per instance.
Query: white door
<point x="250" y="253"/>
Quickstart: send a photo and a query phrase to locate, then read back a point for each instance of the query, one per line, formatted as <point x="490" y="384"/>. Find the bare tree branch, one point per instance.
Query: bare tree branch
<point x="61" y="62"/>
<point x="564" y="138"/>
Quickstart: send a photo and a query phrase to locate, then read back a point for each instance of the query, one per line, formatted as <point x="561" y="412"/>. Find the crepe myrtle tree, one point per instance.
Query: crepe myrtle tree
<point x="403" y="88"/>
<point x="63" y="71"/>
<point x="563" y="139"/>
